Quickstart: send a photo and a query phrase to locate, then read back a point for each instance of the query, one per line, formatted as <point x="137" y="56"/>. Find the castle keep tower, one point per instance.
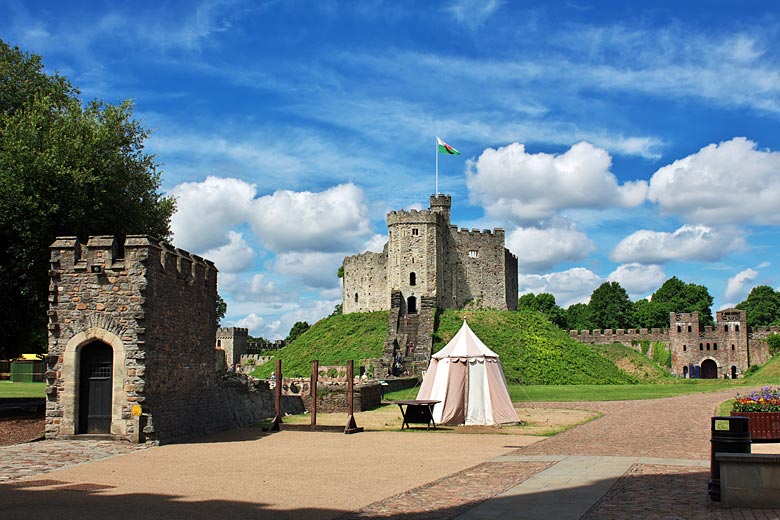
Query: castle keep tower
<point x="234" y="341"/>
<point x="426" y="264"/>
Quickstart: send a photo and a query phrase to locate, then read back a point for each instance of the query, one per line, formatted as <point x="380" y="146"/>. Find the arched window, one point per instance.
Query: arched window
<point x="689" y="328"/>
<point x="356" y="297"/>
<point x="679" y="329"/>
<point x="701" y="346"/>
<point x="733" y="372"/>
<point x="732" y="346"/>
<point x="412" y="279"/>
<point x="685" y="372"/>
<point x="714" y="346"/>
<point x="736" y="328"/>
<point x="708" y="346"/>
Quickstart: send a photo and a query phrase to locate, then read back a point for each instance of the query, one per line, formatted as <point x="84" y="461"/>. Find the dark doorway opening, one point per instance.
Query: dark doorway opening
<point x="709" y="369"/>
<point x="685" y="372"/>
<point x="733" y="372"/>
<point x="95" y="381"/>
<point x="411" y="305"/>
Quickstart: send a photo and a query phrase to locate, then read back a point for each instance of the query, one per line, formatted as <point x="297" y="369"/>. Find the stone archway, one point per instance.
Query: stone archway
<point x="72" y="376"/>
<point x="709" y="369"/>
<point x="411" y="305"/>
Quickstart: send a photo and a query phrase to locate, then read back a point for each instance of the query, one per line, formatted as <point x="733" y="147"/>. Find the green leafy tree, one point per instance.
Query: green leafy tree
<point x="544" y="303"/>
<point x="762" y="306"/>
<point x="577" y="317"/>
<point x="677" y="296"/>
<point x="66" y="168"/>
<point x="297" y="329"/>
<point x="610" y="307"/>
<point x="221" y="309"/>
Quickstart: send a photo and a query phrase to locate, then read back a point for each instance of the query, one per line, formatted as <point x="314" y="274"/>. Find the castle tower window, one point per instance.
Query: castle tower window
<point x="689" y="328"/>
<point x="679" y="329"/>
<point x="701" y="346"/>
<point x="685" y="347"/>
<point x="356" y="297"/>
<point x="473" y="253"/>
<point x="412" y="279"/>
<point x="415" y="232"/>
<point x="732" y="346"/>
<point x="714" y="346"/>
<point x="708" y="346"/>
<point x="219" y="342"/>
<point x="736" y="328"/>
<point x="725" y="328"/>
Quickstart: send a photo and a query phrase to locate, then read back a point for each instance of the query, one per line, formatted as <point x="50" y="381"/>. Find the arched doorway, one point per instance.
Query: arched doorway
<point x="709" y="369"/>
<point x="411" y="305"/>
<point x="733" y="372"/>
<point x="685" y="372"/>
<point x="95" y="381"/>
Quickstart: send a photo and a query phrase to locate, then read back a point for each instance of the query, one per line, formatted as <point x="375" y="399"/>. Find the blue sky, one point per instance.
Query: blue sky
<point x="614" y="141"/>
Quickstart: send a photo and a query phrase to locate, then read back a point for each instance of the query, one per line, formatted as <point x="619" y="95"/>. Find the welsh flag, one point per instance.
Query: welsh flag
<point x="445" y="148"/>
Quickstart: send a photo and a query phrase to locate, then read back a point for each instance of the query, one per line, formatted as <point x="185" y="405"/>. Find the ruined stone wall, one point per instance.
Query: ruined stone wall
<point x="365" y="283"/>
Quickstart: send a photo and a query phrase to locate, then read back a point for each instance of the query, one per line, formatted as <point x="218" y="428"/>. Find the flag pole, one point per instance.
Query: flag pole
<point x="437" y="166"/>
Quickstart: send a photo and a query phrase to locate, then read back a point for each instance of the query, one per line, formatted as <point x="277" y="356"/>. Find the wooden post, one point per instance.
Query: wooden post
<point x="277" y="398"/>
<point x="315" y="369"/>
<point x="351" y="426"/>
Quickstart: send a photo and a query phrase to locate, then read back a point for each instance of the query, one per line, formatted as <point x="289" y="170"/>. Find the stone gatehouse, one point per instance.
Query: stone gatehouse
<point x="724" y="350"/>
<point x="131" y="344"/>
<point x="426" y="264"/>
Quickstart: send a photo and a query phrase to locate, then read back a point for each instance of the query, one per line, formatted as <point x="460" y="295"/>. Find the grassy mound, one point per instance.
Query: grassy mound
<point x="766" y="374"/>
<point x="533" y="351"/>
<point x="332" y="341"/>
<point x="634" y="363"/>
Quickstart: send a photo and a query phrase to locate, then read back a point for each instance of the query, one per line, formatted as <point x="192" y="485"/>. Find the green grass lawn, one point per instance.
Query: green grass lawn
<point x="9" y="389"/>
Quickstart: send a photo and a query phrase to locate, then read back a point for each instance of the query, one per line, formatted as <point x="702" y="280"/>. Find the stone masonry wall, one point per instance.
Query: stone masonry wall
<point x="365" y="283"/>
<point x="154" y="306"/>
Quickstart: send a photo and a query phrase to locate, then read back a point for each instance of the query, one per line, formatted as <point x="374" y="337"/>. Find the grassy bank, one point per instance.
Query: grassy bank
<point x="9" y="389"/>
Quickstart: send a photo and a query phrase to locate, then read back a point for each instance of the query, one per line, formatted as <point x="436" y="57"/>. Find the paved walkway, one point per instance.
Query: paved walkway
<point x="642" y="459"/>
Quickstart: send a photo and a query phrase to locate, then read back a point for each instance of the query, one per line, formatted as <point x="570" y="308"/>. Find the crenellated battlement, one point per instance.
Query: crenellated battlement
<point x="105" y="254"/>
<point x="476" y="232"/>
<point x="625" y="336"/>
<point x="231" y="332"/>
<point x="413" y="216"/>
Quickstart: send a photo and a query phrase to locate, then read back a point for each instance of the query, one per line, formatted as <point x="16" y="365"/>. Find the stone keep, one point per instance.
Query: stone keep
<point x="234" y="341"/>
<point x="427" y="257"/>
<point x="130" y="324"/>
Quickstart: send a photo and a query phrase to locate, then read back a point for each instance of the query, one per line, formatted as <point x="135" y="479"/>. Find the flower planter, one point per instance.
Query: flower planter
<point x="763" y="425"/>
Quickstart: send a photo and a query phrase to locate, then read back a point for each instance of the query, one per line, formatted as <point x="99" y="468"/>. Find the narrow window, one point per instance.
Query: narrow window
<point x="473" y="253"/>
<point x="732" y="346"/>
<point x="219" y="342"/>
<point x="708" y="346"/>
<point x="679" y="329"/>
<point x="725" y="328"/>
<point x="356" y="297"/>
<point x="701" y="346"/>
<point x="412" y="279"/>
<point x="736" y="328"/>
<point x="714" y="346"/>
<point x="689" y="328"/>
<point x="685" y="348"/>
<point x="415" y="232"/>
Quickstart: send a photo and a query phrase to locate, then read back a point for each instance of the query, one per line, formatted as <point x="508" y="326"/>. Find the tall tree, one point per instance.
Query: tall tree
<point x="298" y="328"/>
<point x="578" y="317"/>
<point x="677" y="296"/>
<point x="762" y="306"/>
<point x="66" y="168"/>
<point x="610" y="307"/>
<point x="544" y="303"/>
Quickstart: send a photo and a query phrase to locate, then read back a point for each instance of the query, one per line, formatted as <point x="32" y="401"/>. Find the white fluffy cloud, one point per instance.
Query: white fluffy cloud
<point x="637" y="279"/>
<point x="511" y="183"/>
<point x="206" y="211"/>
<point x="333" y="220"/>
<point x="569" y="287"/>
<point x="233" y="257"/>
<point x="731" y="182"/>
<point x="538" y="249"/>
<point x="738" y="285"/>
<point x="315" y="270"/>
<point x="698" y="243"/>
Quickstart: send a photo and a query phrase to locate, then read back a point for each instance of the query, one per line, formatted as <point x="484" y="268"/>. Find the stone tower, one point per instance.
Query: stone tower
<point x="234" y="341"/>
<point x="427" y="264"/>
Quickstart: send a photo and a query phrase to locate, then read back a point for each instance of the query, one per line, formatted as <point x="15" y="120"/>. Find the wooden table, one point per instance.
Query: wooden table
<point x="417" y="412"/>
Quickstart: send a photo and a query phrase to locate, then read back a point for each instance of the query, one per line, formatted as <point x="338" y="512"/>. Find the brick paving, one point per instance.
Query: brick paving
<point x="449" y="496"/>
<point x="36" y="458"/>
